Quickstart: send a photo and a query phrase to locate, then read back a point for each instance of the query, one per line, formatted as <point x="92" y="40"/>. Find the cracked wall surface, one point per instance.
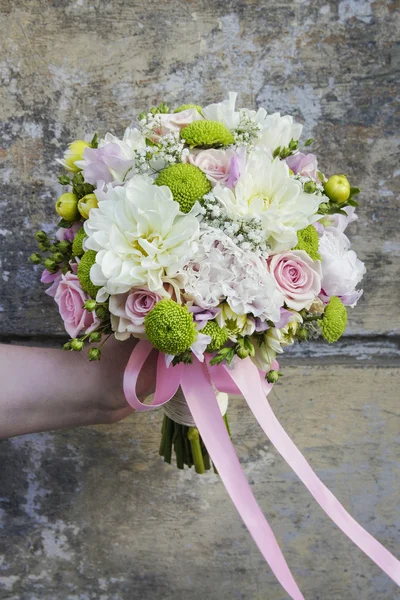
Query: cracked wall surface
<point x="92" y="514"/>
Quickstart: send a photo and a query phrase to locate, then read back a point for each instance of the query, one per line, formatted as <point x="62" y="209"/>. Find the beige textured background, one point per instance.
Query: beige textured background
<point x="93" y="514"/>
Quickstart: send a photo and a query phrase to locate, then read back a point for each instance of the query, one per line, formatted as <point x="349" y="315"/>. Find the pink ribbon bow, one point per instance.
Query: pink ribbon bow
<point x="196" y="381"/>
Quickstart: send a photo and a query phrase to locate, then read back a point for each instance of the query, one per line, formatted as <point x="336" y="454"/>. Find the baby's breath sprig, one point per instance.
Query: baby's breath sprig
<point x="247" y="131"/>
<point x="247" y="233"/>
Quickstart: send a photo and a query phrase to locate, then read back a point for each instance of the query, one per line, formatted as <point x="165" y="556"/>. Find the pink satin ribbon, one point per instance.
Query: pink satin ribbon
<point x="245" y="379"/>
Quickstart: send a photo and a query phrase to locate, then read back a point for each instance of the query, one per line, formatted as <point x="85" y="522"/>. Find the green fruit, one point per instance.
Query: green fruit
<point x="337" y="188"/>
<point x="67" y="207"/>
<point x="86" y="203"/>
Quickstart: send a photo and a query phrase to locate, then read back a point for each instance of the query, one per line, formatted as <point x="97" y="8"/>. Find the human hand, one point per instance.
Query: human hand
<point x="44" y="388"/>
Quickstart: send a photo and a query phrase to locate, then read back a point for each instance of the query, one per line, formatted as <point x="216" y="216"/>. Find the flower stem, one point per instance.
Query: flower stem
<point x="194" y="438"/>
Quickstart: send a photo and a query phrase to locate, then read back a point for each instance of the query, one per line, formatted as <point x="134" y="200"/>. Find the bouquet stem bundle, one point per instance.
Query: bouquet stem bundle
<point x="184" y="438"/>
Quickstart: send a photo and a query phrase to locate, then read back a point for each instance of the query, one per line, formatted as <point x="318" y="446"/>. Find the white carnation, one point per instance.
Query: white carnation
<point x="222" y="271"/>
<point x="276" y="130"/>
<point x="224" y="112"/>
<point x="342" y="271"/>
<point x="140" y="237"/>
<point x="266" y="190"/>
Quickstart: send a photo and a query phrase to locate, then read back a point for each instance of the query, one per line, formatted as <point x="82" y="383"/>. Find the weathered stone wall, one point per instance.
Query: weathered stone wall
<point x="92" y="513"/>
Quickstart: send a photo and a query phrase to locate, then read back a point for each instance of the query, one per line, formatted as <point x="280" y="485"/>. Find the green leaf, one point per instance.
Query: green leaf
<point x="352" y="202"/>
<point x="95" y="141"/>
<point x="308" y="142"/>
<point x="354" y="191"/>
<point x="321" y="176"/>
<point x="64" y="180"/>
<point x="276" y="152"/>
<point x="64" y="223"/>
<point x="336" y="211"/>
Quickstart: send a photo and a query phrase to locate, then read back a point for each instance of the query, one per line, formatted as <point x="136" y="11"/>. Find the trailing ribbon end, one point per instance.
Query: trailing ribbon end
<point x="246" y="377"/>
<point x="199" y="394"/>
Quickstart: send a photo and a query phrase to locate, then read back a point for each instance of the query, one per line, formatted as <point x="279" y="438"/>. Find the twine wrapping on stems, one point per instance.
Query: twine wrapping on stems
<point x="178" y="410"/>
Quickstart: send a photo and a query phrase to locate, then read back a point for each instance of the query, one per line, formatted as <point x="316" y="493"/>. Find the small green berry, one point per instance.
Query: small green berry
<point x="310" y="187"/>
<point x="35" y="258"/>
<point x="90" y="305"/>
<point x="101" y="313"/>
<point x="94" y="354"/>
<point x="64" y="246"/>
<point x="58" y="257"/>
<point x="41" y="236"/>
<point x="95" y="336"/>
<point x="77" y="345"/>
<point x="272" y="376"/>
<point x="50" y="264"/>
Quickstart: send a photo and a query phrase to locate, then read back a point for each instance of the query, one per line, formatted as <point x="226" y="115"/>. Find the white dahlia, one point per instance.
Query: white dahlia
<point x="140" y="237"/>
<point x="266" y="190"/>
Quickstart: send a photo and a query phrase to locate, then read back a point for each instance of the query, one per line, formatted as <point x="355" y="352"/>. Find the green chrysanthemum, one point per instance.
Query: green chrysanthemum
<point x="170" y="327"/>
<point x="219" y="336"/>
<point x="77" y="249"/>
<point x="307" y="240"/>
<point x="186" y="106"/>
<point x="207" y="134"/>
<point x="85" y="264"/>
<point x="334" y="320"/>
<point x="186" y="182"/>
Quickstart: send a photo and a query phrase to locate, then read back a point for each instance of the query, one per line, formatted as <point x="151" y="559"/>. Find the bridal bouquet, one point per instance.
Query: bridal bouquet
<point x="212" y="236"/>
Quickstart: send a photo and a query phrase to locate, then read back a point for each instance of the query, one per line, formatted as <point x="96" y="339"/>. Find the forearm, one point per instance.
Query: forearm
<point x="44" y="389"/>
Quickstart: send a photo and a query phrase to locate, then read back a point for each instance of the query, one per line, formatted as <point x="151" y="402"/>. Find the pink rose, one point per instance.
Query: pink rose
<point x="129" y="310"/>
<point x="303" y="164"/>
<point x="220" y="166"/>
<point x="297" y="276"/>
<point x="53" y="278"/>
<point x="70" y="298"/>
<point x="170" y="122"/>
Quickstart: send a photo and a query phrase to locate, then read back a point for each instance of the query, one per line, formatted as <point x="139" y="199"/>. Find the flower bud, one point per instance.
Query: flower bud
<point x="310" y="187"/>
<point x="302" y="334"/>
<point x="242" y="352"/>
<point x="248" y="344"/>
<point x="90" y="305"/>
<point x="77" y="345"/>
<point x="86" y="203"/>
<point x="43" y="246"/>
<point x="50" y="265"/>
<point x="101" y="312"/>
<point x="323" y="208"/>
<point x="337" y="188"/>
<point x="64" y="246"/>
<point x="67" y="207"/>
<point x="95" y="336"/>
<point x="41" y="236"/>
<point x="35" y="258"/>
<point x="67" y="346"/>
<point x="272" y="376"/>
<point x="58" y="257"/>
<point x="75" y="152"/>
<point x="94" y="354"/>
